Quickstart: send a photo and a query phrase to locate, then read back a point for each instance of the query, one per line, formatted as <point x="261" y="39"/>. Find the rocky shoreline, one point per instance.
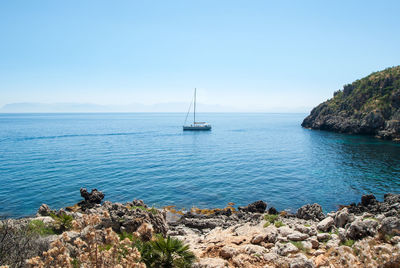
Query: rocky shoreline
<point x="366" y="234"/>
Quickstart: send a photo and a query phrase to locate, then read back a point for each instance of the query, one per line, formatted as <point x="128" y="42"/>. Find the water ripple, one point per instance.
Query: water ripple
<point x="47" y="158"/>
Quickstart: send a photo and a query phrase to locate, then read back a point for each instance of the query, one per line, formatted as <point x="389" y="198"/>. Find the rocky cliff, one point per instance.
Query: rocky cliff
<point x="369" y="106"/>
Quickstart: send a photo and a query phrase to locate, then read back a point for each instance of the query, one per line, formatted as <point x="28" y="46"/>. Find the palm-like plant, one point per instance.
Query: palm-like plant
<point x="166" y="253"/>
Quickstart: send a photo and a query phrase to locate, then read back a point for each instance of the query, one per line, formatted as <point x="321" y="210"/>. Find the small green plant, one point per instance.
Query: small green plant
<point x="105" y="247"/>
<point x="307" y="225"/>
<point x="348" y="243"/>
<point x="388" y="237"/>
<point x="300" y="246"/>
<point x="271" y="218"/>
<point x="40" y="228"/>
<point x="75" y="263"/>
<point x="124" y="235"/>
<point x="266" y="224"/>
<point x="336" y="232"/>
<point x="257" y="255"/>
<point x="279" y="224"/>
<point x="152" y="210"/>
<point x="62" y="222"/>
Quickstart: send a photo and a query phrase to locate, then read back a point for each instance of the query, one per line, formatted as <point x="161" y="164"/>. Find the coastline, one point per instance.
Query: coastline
<point x="366" y="234"/>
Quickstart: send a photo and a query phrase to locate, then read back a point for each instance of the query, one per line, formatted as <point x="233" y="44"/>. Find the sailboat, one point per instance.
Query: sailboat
<point x="195" y="125"/>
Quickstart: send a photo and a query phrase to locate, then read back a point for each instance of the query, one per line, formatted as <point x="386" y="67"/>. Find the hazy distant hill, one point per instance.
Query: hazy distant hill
<point x="90" y="108"/>
<point x="171" y="107"/>
<point x="369" y="106"/>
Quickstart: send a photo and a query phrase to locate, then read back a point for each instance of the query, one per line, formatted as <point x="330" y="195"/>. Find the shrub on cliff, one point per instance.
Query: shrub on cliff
<point x="62" y="222"/>
<point x="104" y="248"/>
<point x="165" y="252"/>
<point x="97" y="248"/>
<point x="18" y="242"/>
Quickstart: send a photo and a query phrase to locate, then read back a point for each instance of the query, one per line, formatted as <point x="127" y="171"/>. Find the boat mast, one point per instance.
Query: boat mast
<point x="194" y="110"/>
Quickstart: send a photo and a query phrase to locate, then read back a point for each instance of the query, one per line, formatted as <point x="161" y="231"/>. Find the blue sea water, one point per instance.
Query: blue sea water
<point x="47" y="158"/>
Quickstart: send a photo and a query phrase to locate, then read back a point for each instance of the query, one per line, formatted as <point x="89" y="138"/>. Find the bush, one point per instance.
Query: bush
<point x="166" y="252"/>
<point x="152" y="210"/>
<point x="40" y="228"/>
<point x="98" y="248"/>
<point x="271" y="218"/>
<point x="18" y="242"/>
<point x="62" y="222"/>
<point x="104" y="248"/>
<point x="279" y="224"/>
<point x="348" y="243"/>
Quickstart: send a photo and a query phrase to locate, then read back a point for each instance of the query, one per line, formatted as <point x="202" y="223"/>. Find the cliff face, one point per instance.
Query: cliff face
<point x="368" y="106"/>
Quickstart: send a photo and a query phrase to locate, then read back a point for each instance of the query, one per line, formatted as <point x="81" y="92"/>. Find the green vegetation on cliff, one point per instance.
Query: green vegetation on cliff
<point x="370" y="106"/>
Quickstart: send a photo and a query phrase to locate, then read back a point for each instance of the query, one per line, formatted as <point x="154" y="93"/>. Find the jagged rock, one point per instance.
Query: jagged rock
<point x="314" y="243"/>
<point x="258" y="206"/>
<point x="241" y="260"/>
<point x="321" y="260"/>
<point x="285" y="249"/>
<point x="342" y="217"/>
<point x="322" y="237"/>
<point x="124" y="218"/>
<point x="391" y="198"/>
<point x="391" y="213"/>
<point x="307" y="244"/>
<point x="362" y="228"/>
<point x="310" y="212"/>
<point x="228" y="252"/>
<point x="200" y="223"/>
<point x="91" y="199"/>
<point x="271" y="236"/>
<point x="257" y="239"/>
<point x="368" y="199"/>
<point x="270" y="257"/>
<point x="138" y="203"/>
<point x="333" y="242"/>
<point x="285" y="231"/>
<point x="395" y="240"/>
<point x="390" y="226"/>
<point x="297" y="236"/>
<point x="311" y="231"/>
<point x="224" y="212"/>
<point x="301" y="228"/>
<point x="301" y="261"/>
<point x="44" y="210"/>
<point x="325" y="224"/>
<point x="318" y="252"/>
<point x="273" y="211"/>
<point x="342" y="234"/>
<point x="254" y="249"/>
<point x="210" y="263"/>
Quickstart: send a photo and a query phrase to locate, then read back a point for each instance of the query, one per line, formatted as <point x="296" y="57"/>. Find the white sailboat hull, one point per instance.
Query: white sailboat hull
<point x="197" y="127"/>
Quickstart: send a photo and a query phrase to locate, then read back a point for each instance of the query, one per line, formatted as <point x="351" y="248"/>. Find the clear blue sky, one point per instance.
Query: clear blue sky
<point x="243" y="54"/>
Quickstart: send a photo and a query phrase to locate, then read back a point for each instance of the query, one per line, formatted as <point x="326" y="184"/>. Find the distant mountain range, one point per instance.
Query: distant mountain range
<point x="171" y="107"/>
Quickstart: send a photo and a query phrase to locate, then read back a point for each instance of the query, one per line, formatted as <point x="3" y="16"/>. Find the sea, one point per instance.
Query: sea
<point x="47" y="158"/>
